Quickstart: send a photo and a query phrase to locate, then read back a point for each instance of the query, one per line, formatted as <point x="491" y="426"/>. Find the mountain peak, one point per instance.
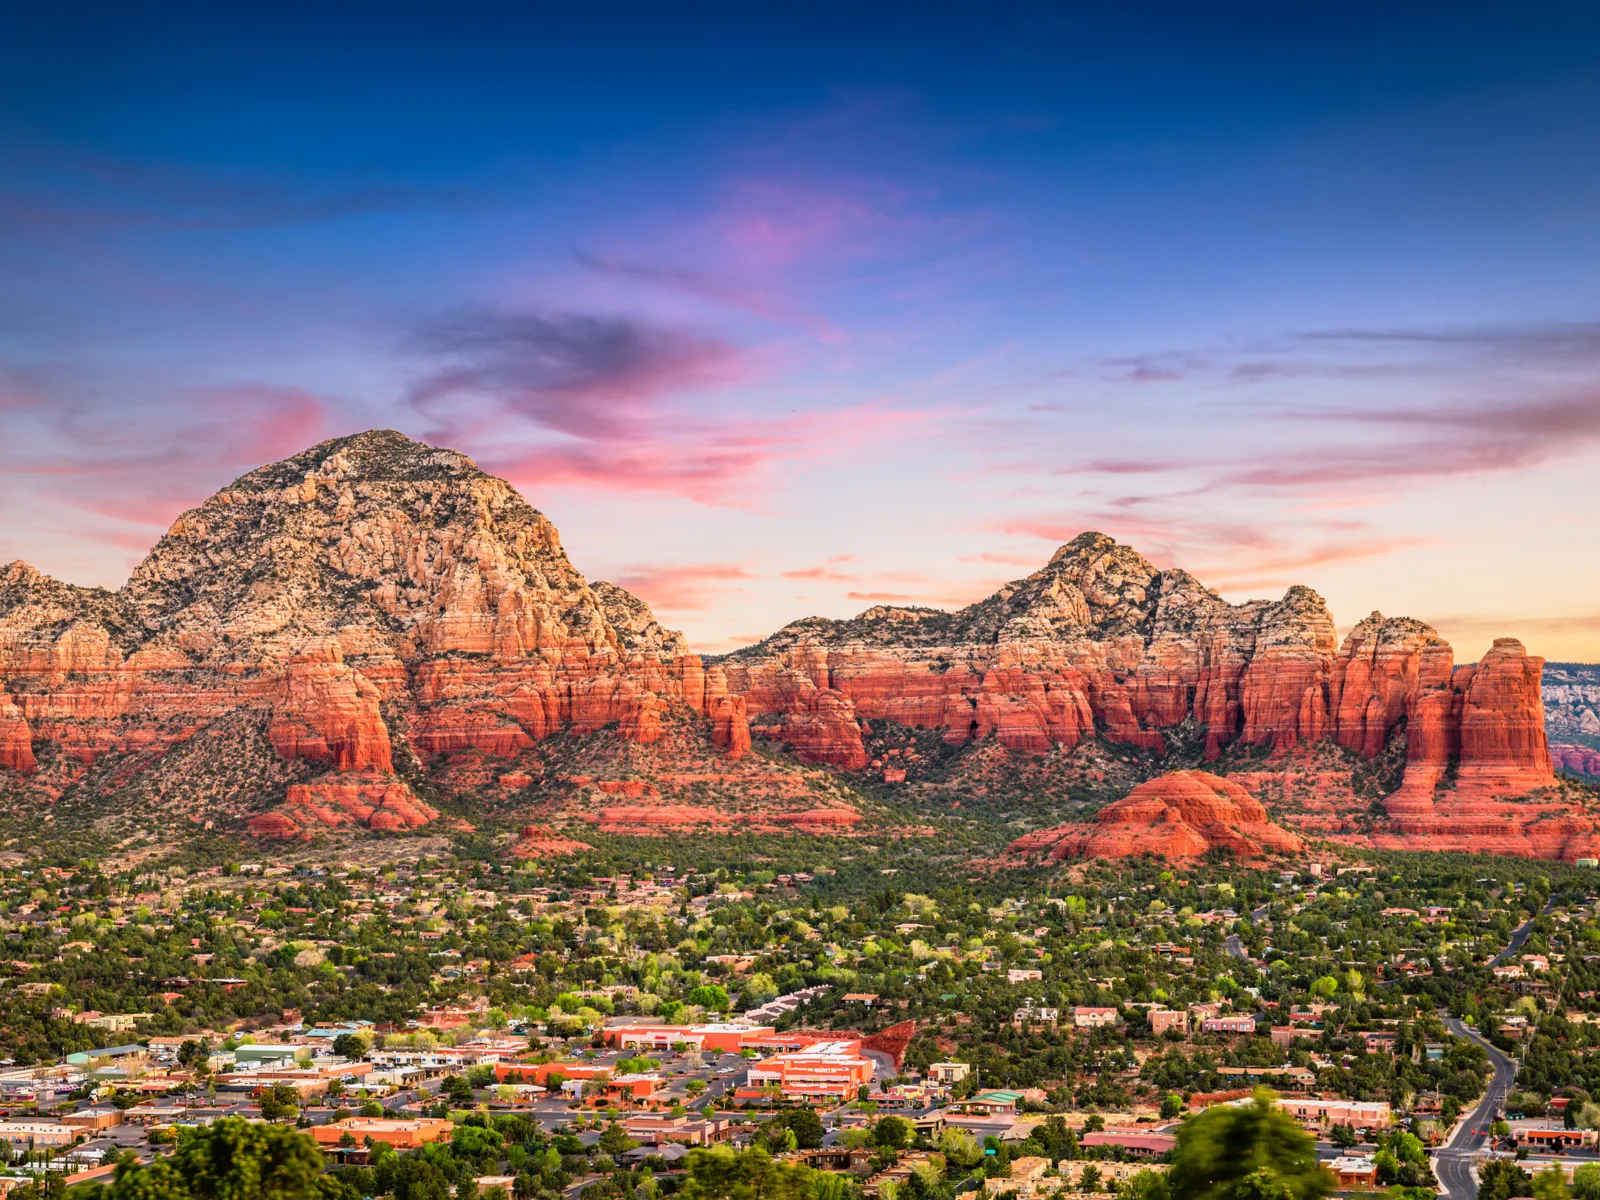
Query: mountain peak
<point x="1087" y="543"/>
<point x="376" y="455"/>
<point x="380" y="540"/>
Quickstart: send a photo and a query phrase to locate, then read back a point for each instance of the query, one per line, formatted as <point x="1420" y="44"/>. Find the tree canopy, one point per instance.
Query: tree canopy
<point x="1254" y="1151"/>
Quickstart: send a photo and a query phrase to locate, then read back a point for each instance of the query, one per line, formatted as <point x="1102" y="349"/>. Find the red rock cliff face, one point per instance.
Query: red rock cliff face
<point x="328" y="712"/>
<point x="1099" y="640"/>
<point x="1485" y="720"/>
<point x="375" y="602"/>
<point x="16" y="739"/>
<point x="1476" y="736"/>
<point x="1183" y="814"/>
<point x="1580" y="760"/>
<point x="370" y="575"/>
<point x="1503" y="747"/>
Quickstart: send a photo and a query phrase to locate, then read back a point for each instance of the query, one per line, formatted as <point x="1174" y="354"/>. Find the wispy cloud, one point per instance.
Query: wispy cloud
<point x="143" y="467"/>
<point x="581" y="374"/>
<point x="686" y="587"/>
<point x="768" y="300"/>
<point x="1488" y="625"/>
<point x="827" y="572"/>
<point x="1232" y="555"/>
<point x="628" y="430"/>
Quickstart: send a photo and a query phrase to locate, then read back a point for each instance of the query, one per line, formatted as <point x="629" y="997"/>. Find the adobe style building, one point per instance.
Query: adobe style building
<point x="402" y="1135"/>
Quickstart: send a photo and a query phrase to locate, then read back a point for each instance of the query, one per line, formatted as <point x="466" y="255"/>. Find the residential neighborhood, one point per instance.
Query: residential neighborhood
<point x="595" y="1026"/>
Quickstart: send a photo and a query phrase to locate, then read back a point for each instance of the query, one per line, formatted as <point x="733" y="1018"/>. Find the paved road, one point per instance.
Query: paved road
<point x="1453" y="1164"/>
<point x="1233" y="945"/>
<point x="1521" y="935"/>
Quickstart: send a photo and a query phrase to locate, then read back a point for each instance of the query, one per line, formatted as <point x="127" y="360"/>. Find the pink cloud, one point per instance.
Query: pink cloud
<point x="1280" y="569"/>
<point x="578" y="374"/>
<point x="821" y="573"/>
<point x="706" y="461"/>
<point x="1220" y="553"/>
<point x="568" y="399"/>
<point x="706" y="472"/>
<point x="827" y="571"/>
<point x="690" y="587"/>
<point x="772" y="223"/>
<point x="142" y="468"/>
<point x="771" y="303"/>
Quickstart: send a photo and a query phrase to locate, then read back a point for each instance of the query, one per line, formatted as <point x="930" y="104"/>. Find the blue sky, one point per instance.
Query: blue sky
<point x="786" y="313"/>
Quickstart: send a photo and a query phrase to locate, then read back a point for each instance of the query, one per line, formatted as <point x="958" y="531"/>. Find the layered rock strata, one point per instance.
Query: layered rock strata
<point x="368" y="579"/>
<point x="1179" y="815"/>
<point x="1580" y="760"/>
<point x="538" y="841"/>
<point x="1100" y="641"/>
<point x="382" y="607"/>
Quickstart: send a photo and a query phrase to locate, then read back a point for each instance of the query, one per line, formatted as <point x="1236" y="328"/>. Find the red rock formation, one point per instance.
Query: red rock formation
<point x="1283" y="692"/>
<point x="1182" y="814"/>
<point x="336" y="802"/>
<point x="1580" y="760"/>
<point x="1483" y="825"/>
<point x="1486" y="718"/>
<point x="730" y="730"/>
<point x="275" y="826"/>
<point x="1096" y="640"/>
<point x="536" y="841"/>
<point x="821" y="820"/>
<point x="1503" y="748"/>
<point x="16" y="739"/>
<point x="368" y="576"/>
<point x="1384" y="665"/>
<point x="327" y="712"/>
<point x="373" y="600"/>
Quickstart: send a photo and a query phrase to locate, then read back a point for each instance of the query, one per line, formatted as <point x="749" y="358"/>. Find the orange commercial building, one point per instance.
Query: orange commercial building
<point x="516" y="1072"/>
<point x="634" y="1087"/>
<point x="724" y="1037"/>
<point x="827" y="1069"/>
<point x="402" y="1135"/>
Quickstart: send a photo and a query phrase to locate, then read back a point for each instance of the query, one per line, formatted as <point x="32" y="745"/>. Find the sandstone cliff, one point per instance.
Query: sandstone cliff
<point x="1099" y="641"/>
<point x="372" y="621"/>
<point x="367" y="580"/>
<point x="1580" y="760"/>
<point x="1183" y="814"/>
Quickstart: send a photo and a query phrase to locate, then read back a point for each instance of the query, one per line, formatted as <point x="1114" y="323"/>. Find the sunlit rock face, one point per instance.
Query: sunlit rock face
<point x="1099" y="641"/>
<point x="330" y="630"/>
<point x="1179" y="815"/>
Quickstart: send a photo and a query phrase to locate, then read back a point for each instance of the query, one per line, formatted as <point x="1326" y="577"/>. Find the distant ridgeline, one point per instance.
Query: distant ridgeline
<point x="1572" y="716"/>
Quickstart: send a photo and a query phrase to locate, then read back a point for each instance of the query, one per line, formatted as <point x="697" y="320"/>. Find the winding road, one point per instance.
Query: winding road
<point x="1233" y="945"/>
<point x="1453" y="1164"/>
<point x="1521" y="935"/>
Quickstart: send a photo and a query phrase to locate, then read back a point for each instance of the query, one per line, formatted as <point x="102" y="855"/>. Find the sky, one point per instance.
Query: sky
<point x="782" y="310"/>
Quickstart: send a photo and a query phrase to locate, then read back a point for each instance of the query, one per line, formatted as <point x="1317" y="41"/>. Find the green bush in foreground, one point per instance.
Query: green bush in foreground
<point x="1250" y="1152"/>
<point x="233" y="1159"/>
